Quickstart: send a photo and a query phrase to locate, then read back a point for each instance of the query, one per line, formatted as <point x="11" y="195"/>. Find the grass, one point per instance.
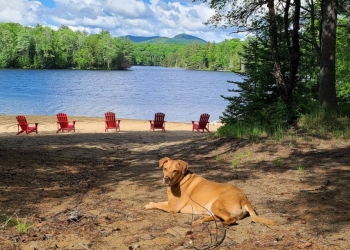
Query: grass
<point x="234" y="163"/>
<point x="7" y="221"/>
<point x="219" y="158"/>
<point x="300" y="168"/>
<point x="321" y="123"/>
<point x="277" y="162"/>
<point x="317" y="124"/>
<point x="22" y="225"/>
<point x="241" y="131"/>
<point x="238" y="157"/>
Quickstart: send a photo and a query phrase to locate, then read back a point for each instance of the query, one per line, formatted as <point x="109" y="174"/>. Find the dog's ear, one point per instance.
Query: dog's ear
<point x="184" y="166"/>
<point x="162" y="161"/>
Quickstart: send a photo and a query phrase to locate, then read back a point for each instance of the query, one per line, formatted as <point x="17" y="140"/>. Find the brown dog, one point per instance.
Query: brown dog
<point x="191" y="194"/>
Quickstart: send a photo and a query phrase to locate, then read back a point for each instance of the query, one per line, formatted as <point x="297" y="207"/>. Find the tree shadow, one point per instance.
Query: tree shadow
<point x="39" y="168"/>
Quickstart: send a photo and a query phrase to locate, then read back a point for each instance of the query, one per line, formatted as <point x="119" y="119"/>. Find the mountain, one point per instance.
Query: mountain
<point x="188" y="37"/>
<point x="179" y="39"/>
<point x="140" y="39"/>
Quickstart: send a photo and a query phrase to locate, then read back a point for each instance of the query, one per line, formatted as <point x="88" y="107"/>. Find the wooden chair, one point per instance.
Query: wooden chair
<point x="24" y="126"/>
<point x="202" y="124"/>
<point x="158" y="122"/>
<point x="111" y="122"/>
<point x="63" y="124"/>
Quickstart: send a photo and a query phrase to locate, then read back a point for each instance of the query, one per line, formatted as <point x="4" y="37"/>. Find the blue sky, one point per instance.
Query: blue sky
<point x="120" y="17"/>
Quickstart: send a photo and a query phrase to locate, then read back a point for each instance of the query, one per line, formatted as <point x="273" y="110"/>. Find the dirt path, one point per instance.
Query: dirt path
<point x="88" y="191"/>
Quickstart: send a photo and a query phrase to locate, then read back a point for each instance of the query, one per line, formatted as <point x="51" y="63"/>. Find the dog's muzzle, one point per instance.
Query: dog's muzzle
<point x="166" y="180"/>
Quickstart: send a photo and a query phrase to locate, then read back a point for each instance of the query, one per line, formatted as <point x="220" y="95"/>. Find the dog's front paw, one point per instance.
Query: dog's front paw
<point x="149" y="205"/>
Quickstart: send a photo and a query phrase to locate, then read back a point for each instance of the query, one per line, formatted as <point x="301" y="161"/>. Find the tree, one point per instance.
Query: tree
<point x="342" y="64"/>
<point x="8" y="37"/>
<point x="67" y="45"/>
<point x="44" y="47"/>
<point x="257" y="100"/>
<point x="244" y="13"/>
<point x="327" y="90"/>
<point x="125" y="53"/>
<point x="107" y="48"/>
<point x="24" y="47"/>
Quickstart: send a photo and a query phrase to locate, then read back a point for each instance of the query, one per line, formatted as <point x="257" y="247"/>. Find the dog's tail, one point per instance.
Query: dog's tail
<point x="256" y="218"/>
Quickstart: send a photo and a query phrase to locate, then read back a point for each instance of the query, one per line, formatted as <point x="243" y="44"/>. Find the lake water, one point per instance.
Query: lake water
<point x="136" y="93"/>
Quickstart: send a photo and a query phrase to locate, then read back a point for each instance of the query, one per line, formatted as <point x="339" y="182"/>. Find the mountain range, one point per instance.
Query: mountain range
<point x="179" y="39"/>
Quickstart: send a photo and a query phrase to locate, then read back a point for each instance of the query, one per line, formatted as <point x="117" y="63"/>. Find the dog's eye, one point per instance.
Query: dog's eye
<point x="174" y="171"/>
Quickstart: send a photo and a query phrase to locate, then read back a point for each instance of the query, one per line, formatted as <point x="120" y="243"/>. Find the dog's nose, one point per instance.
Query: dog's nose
<point x="166" y="178"/>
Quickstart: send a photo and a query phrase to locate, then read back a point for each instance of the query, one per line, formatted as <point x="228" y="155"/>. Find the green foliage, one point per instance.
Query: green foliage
<point x="319" y="122"/>
<point x="342" y="65"/>
<point x="300" y="168"/>
<point x="195" y="55"/>
<point x="256" y="101"/>
<point x="7" y="221"/>
<point x="241" y="130"/>
<point x="23" y="225"/>
<point x="43" y="48"/>
<point x="219" y="158"/>
<point x="277" y="162"/>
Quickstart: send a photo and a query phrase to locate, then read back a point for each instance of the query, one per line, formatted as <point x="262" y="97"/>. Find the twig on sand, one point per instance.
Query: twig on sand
<point x="218" y="241"/>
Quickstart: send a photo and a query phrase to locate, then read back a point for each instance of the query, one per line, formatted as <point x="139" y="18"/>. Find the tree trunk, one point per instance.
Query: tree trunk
<point x="277" y="71"/>
<point x="327" y="92"/>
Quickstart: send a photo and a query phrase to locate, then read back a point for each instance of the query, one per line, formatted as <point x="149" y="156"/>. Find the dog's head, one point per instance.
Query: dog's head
<point x="173" y="170"/>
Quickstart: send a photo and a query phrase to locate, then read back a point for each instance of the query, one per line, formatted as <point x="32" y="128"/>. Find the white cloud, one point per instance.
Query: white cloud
<point x="20" y="11"/>
<point x="127" y="8"/>
<point x="121" y="17"/>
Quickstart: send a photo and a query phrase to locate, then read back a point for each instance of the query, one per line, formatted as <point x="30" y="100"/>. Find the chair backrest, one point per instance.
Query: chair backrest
<point x="22" y="121"/>
<point x="110" y="119"/>
<point x="203" y="120"/>
<point x="159" y="120"/>
<point x="62" y="120"/>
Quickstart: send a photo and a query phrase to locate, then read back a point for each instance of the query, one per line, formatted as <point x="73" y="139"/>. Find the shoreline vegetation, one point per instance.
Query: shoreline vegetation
<point x="41" y="47"/>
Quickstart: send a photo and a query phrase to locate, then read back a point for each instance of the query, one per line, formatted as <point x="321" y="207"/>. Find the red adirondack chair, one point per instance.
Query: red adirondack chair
<point x="111" y="122"/>
<point x="63" y="124"/>
<point x="158" y="122"/>
<point x="24" y="125"/>
<point x="202" y="124"/>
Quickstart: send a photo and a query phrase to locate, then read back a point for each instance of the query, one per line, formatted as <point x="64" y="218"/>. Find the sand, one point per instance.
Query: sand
<point x="48" y="125"/>
<point x="88" y="189"/>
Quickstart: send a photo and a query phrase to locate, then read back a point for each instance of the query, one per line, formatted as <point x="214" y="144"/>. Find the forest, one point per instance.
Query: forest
<point x="44" y="48"/>
<point x="296" y="66"/>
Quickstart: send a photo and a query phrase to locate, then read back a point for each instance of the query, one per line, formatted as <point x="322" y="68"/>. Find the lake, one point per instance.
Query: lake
<point x="136" y="93"/>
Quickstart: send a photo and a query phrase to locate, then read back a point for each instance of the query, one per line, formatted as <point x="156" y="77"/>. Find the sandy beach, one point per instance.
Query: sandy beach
<point x="48" y="125"/>
<point x="88" y="189"/>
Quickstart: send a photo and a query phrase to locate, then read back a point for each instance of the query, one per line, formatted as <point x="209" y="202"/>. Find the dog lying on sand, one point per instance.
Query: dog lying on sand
<point x="191" y="194"/>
